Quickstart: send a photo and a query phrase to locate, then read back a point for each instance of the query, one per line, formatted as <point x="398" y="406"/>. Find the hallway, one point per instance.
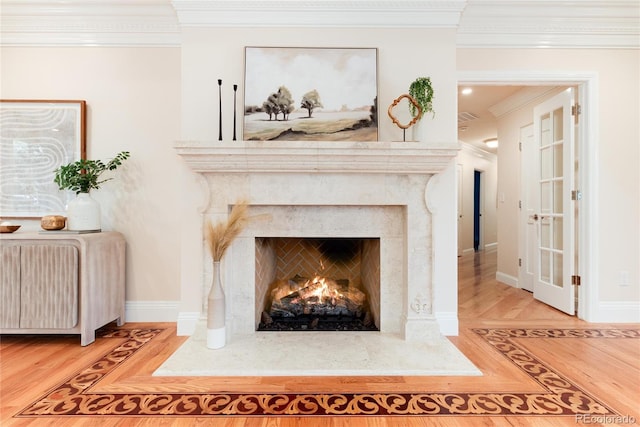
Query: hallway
<point x="481" y="296"/>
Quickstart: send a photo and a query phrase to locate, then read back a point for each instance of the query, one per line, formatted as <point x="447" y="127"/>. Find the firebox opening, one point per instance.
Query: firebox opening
<point x="330" y="284"/>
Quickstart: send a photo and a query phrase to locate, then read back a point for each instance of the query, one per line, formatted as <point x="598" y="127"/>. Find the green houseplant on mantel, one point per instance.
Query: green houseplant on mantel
<point x="82" y="176"/>
<point x="422" y="91"/>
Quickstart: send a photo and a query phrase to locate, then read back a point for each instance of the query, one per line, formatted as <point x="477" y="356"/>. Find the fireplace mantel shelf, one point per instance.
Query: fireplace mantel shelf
<point x="316" y="157"/>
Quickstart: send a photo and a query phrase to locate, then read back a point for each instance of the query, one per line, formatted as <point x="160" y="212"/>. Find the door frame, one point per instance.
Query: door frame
<point x="524" y="245"/>
<point x="587" y="137"/>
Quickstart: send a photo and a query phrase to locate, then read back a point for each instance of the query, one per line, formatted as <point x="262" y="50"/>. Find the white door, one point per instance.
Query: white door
<point x="554" y="209"/>
<point x="528" y="224"/>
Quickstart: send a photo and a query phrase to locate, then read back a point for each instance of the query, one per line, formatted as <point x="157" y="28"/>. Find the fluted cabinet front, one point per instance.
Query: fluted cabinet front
<point x="49" y="286"/>
<point x="10" y="286"/>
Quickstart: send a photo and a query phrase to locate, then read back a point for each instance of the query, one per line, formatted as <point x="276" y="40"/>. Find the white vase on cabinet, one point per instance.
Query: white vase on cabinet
<point x="83" y="213"/>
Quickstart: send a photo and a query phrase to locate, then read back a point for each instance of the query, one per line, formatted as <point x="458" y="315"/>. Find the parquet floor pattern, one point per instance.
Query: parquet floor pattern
<point x="540" y="367"/>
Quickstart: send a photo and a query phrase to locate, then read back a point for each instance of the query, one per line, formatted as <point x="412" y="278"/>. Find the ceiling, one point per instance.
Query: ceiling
<point x="479" y="111"/>
<point x="475" y="122"/>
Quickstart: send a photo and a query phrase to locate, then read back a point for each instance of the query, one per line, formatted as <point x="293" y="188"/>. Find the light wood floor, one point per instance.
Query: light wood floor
<point x="609" y="369"/>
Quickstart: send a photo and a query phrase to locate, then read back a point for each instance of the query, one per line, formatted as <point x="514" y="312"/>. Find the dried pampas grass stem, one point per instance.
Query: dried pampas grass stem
<point x="221" y="235"/>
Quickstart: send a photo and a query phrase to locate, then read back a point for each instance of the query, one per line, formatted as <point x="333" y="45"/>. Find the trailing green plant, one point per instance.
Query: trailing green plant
<point x="83" y="175"/>
<point x="421" y="90"/>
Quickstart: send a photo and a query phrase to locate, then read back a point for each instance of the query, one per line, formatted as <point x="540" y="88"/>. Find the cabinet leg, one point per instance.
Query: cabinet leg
<point x="87" y="338"/>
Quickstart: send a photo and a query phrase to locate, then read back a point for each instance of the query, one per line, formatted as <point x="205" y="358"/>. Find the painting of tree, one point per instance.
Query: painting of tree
<point x="311" y="101"/>
<point x="310" y="94"/>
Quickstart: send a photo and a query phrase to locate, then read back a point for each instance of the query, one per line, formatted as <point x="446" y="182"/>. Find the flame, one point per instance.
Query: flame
<point x="327" y="290"/>
<point x="322" y="290"/>
<point x="319" y="290"/>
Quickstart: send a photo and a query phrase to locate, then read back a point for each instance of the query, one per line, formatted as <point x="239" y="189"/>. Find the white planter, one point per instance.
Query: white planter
<point x="83" y="213"/>
<point x="418" y="131"/>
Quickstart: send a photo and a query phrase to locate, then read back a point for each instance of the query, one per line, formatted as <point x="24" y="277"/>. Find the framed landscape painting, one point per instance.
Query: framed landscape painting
<point x="36" y="138"/>
<point x="310" y="94"/>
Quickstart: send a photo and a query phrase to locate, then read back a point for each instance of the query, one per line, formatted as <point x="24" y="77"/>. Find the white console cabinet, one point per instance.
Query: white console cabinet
<point x="61" y="283"/>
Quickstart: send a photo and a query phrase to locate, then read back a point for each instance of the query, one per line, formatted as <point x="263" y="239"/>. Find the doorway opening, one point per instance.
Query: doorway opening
<point x="585" y="89"/>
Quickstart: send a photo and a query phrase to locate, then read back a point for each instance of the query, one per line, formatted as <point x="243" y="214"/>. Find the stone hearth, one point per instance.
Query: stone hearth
<point x="327" y="189"/>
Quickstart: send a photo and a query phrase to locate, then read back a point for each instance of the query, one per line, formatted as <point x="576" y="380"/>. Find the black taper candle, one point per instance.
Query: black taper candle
<point x="235" y="89"/>
<point x="220" y="108"/>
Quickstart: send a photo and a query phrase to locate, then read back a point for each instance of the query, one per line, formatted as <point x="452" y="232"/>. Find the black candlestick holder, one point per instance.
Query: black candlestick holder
<point x="235" y="89"/>
<point x="219" y="109"/>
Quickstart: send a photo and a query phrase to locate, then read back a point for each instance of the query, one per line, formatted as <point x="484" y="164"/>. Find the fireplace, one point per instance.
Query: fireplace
<point x="327" y="284"/>
<point x="381" y="192"/>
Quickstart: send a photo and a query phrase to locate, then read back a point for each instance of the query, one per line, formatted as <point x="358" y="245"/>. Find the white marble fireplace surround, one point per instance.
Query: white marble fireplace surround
<point x="385" y="190"/>
<point x="328" y="189"/>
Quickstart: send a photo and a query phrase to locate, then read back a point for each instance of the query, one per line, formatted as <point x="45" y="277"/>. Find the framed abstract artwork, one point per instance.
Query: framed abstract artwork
<point x="37" y="137"/>
<point x="310" y="94"/>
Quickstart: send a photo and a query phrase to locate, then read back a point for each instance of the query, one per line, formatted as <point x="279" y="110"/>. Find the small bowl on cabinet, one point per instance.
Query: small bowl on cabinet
<point x="8" y="228"/>
<point x="53" y="222"/>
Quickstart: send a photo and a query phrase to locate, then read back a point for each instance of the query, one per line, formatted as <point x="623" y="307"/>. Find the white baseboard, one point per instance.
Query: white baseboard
<point x="448" y="322"/>
<point x="507" y="279"/>
<point x="151" y="311"/>
<point x="187" y="321"/>
<point x="487" y="247"/>
<point x="617" y="312"/>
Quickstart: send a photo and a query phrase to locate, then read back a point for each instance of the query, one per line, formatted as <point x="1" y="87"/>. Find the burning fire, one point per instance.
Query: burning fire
<point x="315" y="291"/>
<point x="294" y="295"/>
<point x="316" y="303"/>
<point x="318" y="290"/>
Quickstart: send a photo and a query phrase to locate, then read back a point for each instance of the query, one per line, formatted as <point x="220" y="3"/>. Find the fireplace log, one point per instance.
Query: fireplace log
<point x="338" y="300"/>
<point x="305" y="293"/>
<point x="265" y="319"/>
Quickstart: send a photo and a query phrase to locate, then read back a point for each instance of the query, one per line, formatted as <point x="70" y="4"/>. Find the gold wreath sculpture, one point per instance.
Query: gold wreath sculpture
<point x="395" y="120"/>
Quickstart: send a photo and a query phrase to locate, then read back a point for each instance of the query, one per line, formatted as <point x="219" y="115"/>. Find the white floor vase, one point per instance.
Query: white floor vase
<point x="216" y="328"/>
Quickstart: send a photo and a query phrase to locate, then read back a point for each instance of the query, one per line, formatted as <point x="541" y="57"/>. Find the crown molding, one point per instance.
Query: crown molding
<point x="550" y="24"/>
<point x="479" y="23"/>
<point x="89" y="23"/>
<point x="477" y="150"/>
<point x="320" y="13"/>
<point x="524" y="96"/>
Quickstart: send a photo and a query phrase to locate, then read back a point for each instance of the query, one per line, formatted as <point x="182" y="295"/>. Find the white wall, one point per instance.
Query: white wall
<point x="472" y="159"/>
<point x="133" y="100"/>
<point x="210" y="54"/>
<point x="615" y="190"/>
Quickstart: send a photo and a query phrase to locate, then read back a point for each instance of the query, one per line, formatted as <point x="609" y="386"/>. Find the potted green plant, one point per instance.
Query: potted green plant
<point x="81" y="177"/>
<point x="422" y="92"/>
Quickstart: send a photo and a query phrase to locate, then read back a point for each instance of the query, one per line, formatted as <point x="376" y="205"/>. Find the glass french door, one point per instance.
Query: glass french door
<point x="555" y="246"/>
